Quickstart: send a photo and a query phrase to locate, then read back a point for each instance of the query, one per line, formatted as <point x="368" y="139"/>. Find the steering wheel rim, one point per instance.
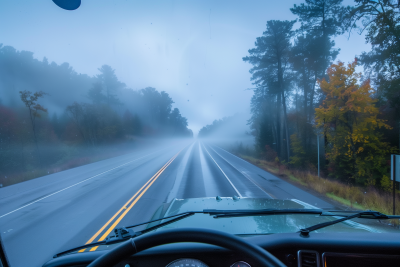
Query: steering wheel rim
<point x="207" y="236"/>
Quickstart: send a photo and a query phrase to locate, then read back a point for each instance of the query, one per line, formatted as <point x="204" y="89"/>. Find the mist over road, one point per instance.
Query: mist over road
<point x="44" y="216"/>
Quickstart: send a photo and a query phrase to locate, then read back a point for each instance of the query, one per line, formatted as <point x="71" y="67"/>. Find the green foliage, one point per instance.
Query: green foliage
<point x="321" y="17"/>
<point x="298" y="158"/>
<point x="349" y="118"/>
<point x="386" y="184"/>
<point x="381" y="21"/>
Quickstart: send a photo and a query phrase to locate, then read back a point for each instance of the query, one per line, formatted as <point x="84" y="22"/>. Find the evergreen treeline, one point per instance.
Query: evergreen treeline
<point x="212" y="129"/>
<point x="45" y="107"/>
<point x="289" y="71"/>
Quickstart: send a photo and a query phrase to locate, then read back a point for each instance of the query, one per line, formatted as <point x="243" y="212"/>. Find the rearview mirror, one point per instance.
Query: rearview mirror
<point x="68" y="4"/>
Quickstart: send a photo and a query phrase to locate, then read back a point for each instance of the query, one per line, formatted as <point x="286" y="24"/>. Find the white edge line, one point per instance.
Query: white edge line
<point x="233" y="154"/>
<point x="223" y="172"/>
<point x="351" y="223"/>
<point x="243" y="173"/>
<point x="71" y="186"/>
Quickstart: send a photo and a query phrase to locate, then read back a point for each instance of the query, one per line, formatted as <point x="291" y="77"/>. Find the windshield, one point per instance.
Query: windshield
<point x="112" y="112"/>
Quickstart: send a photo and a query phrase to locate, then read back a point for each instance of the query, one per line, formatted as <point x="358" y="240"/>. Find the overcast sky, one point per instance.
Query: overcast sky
<point x="191" y="49"/>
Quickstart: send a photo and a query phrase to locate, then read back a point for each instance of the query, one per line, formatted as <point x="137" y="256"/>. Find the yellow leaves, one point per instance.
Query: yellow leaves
<point x="350" y="121"/>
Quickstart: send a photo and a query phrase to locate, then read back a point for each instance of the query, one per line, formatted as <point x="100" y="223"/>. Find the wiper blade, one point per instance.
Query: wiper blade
<point x="179" y="217"/>
<point x="243" y="213"/>
<point x="124" y="233"/>
<point x="370" y="214"/>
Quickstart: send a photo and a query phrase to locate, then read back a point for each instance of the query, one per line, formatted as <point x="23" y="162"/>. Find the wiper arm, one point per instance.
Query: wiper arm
<point x="364" y="214"/>
<point x="243" y="213"/>
<point x="124" y="233"/>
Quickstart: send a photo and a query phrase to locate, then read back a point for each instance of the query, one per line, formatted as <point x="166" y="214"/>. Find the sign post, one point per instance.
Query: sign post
<point x="395" y="176"/>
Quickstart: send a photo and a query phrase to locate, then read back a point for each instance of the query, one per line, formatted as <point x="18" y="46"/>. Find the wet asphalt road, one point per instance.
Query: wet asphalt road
<point x="44" y="216"/>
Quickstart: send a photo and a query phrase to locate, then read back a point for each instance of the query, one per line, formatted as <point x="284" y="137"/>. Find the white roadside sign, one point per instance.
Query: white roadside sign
<point x="396" y="171"/>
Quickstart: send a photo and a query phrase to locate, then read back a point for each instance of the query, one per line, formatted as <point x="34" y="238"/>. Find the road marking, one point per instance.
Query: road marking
<point x="244" y="174"/>
<point x="126" y="209"/>
<point x="179" y="174"/>
<point x="33" y="202"/>
<point x="232" y="154"/>
<point x="223" y="172"/>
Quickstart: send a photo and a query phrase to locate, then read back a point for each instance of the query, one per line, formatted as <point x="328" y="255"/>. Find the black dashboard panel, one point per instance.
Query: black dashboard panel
<point x="284" y="246"/>
<point x="332" y="259"/>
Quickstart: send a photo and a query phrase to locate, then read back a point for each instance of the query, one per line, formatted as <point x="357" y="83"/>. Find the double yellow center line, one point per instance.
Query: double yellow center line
<point x="126" y="207"/>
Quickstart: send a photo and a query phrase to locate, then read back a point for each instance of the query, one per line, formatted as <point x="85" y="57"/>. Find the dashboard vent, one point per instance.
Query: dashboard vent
<point x="308" y="258"/>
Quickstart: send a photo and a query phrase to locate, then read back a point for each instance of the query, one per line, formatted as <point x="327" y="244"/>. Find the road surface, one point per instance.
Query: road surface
<point x="50" y="214"/>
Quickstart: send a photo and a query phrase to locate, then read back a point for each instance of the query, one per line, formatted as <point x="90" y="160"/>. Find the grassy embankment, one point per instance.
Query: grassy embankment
<point x="353" y="197"/>
<point x="68" y="157"/>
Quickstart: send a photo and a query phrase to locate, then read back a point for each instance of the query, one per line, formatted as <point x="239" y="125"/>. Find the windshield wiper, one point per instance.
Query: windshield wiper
<point x="243" y="213"/>
<point x="125" y="233"/>
<point x="370" y="214"/>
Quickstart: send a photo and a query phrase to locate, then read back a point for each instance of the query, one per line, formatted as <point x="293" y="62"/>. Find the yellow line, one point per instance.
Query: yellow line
<point x="124" y="207"/>
<point x="104" y="236"/>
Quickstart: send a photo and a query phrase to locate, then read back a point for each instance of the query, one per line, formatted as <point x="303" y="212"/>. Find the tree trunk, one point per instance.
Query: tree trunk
<point x="33" y="127"/>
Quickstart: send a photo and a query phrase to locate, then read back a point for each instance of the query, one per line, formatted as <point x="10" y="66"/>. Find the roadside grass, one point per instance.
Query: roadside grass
<point x="345" y="201"/>
<point x="70" y="157"/>
<point x="291" y="177"/>
<point x="354" y="197"/>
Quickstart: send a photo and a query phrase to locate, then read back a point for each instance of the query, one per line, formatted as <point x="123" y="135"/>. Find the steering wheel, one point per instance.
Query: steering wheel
<point x="207" y="236"/>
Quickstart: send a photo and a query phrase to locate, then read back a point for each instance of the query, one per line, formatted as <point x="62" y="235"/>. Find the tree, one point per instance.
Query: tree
<point x="178" y="123"/>
<point x="76" y="113"/>
<point x="9" y="155"/>
<point x="95" y="122"/>
<point x="212" y="129"/>
<point x="30" y="101"/>
<point x="321" y="20"/>
<point x="298" y="157"/>
<point x="313" y="51"/>
<point x="131" y="123"/>
<point x="381" y="21"/>
<point x="350" y="119"/>
<point x="96" y="94"/>
<point x="323" y="17"/>
<point x="262" y="122"/>
<point x="271" y="73"/>
<point x="110" y="82"/>
<point x="158" y="106"/>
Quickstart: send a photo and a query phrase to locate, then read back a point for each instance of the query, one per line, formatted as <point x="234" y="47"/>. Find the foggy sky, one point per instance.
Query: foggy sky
<point x="191" y="49"/>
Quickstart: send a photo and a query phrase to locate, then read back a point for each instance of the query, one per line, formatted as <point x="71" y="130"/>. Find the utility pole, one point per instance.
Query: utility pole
<point x="394" y="183"/>
<point x="318" y="152"/>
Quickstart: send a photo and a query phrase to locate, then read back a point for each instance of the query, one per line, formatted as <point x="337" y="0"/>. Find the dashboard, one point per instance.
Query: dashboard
<point x="317" y="250"/>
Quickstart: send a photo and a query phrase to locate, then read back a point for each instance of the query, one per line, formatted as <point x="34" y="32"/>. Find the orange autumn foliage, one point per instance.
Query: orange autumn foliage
<point x="349" y="119"/>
